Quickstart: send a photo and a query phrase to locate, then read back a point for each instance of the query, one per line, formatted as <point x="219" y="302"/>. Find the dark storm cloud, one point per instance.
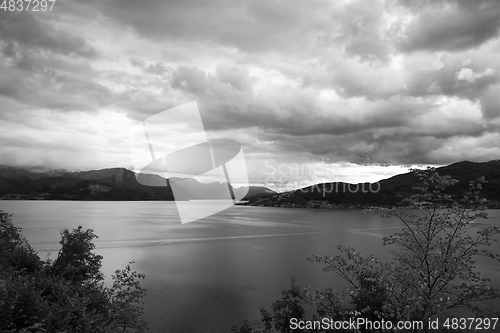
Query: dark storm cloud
<point x="157" y="68"/>
<point x="381" y="144"/>
<point x="296" y="113"/>
<point x="237" y="76"/>
<point x="249" y="26"/>
<point x="47" y="88"/>
<point x="451" y="25"/>
<point x="30" y="31"/>
<point x="191" y="80"/>
<point x="490" y="102"/>
<point x="361" y="31"/>
<point x="40" y="64"/>
<point x="464" y="81"/>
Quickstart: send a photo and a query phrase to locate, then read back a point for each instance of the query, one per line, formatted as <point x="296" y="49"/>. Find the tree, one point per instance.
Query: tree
<point x="433" y="273"/>
<point x="75" y="261"/>
<point x="15" y="251"/>
<point x="245" y="328"/>
<point x="438" y="260"/>
<point x="67" y="295"/>
<point x="283" y="310"/>
<point x="367" y="295"/>
<point x="289" y="306"/>
<point x="125" y="297"/>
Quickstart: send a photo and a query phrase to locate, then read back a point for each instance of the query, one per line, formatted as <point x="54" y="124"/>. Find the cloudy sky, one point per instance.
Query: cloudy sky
<point x="353" y="90"/>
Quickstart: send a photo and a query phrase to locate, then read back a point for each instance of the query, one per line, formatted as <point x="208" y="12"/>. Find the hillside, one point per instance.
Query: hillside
<point x="106" y="184"/>
<point x="387" y="192"/>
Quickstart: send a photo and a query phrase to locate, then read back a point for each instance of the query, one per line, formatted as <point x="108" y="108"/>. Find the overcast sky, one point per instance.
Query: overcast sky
<point x="343" y="85"/>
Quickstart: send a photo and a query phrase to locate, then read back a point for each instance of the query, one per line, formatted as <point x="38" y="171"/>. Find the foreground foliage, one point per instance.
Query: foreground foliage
<point x="433" y="273"/>
<point x="65" y="295"/>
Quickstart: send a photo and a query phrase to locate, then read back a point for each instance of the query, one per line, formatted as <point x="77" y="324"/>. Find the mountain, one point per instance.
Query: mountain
<point x="106" y="184"/>
<point x="387" y="192"/>
<point x="122" y="184"/>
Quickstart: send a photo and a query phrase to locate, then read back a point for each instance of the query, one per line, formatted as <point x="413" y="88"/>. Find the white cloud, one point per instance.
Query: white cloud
<point x="467" y="74"/>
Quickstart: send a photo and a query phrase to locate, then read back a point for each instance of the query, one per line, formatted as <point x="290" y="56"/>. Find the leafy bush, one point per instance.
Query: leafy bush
<point x="68" y="294"/>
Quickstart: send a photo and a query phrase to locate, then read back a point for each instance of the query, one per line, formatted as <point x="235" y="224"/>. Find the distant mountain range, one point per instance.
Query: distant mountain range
<point x="387" y="192"/>
<point x="107" y="184"/>
<point x="121" y="184"/>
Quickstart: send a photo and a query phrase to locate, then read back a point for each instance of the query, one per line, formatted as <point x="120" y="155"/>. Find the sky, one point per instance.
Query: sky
<point x="313" y="90"/>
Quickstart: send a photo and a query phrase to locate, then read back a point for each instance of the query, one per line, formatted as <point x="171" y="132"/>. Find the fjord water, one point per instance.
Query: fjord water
<point x="209" y="275"/>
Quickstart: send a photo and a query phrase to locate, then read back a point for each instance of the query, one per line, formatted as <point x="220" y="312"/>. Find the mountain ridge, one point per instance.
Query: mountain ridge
<point x="122" y="184"/>
<point x="105" y="184"/>
<point x="392" y="191"/>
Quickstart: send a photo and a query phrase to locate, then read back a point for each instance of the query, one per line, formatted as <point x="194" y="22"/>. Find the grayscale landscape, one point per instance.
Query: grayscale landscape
<point x="249" y="166"/>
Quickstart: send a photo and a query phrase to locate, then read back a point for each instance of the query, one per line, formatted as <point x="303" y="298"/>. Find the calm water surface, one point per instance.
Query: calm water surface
<point x="211" y="274"/>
